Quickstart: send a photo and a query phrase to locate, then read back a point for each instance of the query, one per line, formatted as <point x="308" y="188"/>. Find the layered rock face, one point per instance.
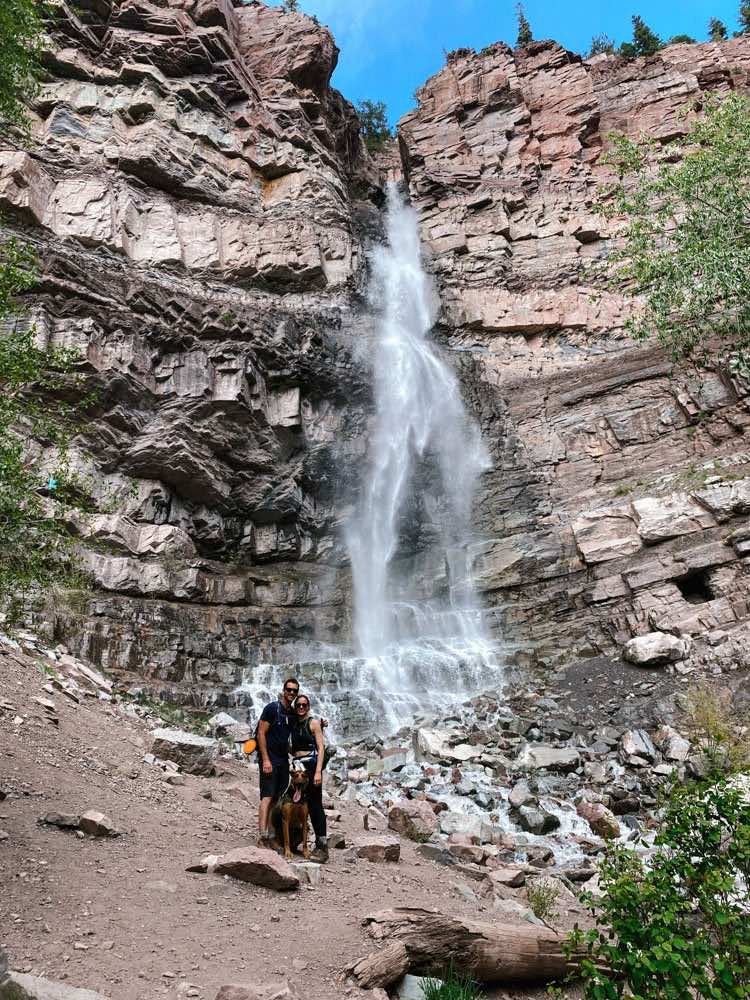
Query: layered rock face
<point x="617" y="501"/>
<point x="201" y="203"/>
<point x="197" y="195"/>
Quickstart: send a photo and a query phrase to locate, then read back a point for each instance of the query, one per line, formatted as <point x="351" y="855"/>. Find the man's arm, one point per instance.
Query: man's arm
<point x="263" y="728"/>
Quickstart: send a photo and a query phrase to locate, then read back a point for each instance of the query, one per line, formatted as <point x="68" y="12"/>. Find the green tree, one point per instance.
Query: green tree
<point x="645" y="41"/>
<point x="525" y="36"/>
<point x="20" y="41"/>
<point x="601" y="44"/>
<point x="681" y="39"/>
<point x="684" y="249"/>
<point x="676" y="928"/>
<point x="744" y="18"/>
<point x="291" y="6"/>
<point x="373" y="123"/>
<point x="717" y="30"/>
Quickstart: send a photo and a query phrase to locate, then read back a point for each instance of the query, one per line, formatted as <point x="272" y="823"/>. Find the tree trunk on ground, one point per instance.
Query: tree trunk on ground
<point x="490" y="953"/>
<point x="381" y="968"/>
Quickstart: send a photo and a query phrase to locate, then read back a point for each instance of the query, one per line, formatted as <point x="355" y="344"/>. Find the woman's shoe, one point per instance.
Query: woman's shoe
<point x="320" y="854"/>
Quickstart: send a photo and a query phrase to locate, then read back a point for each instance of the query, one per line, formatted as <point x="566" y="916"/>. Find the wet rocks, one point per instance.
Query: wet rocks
<point x="534" y="819"/>
<point x="600" y="819"/>
<point x="378" y="849"/>
<point x="657" y="648"/>
<point x="414" y="819"/>
<point x="537" y="756"/>
<point x="194" y="754"/>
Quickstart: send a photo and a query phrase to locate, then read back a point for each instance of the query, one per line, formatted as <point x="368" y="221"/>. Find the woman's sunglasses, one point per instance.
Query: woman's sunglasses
<point x="302" y="704"/>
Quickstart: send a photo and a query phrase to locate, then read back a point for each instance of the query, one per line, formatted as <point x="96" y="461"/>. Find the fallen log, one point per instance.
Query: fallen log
<point x="490" y="953"/>
<point x="381" y="968"/>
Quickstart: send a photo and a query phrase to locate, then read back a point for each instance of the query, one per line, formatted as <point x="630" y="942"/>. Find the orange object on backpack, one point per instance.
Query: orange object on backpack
<point x="249" y="746"/>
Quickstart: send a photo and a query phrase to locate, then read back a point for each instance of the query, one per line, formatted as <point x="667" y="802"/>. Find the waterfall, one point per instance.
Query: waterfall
<point x="418" y="653"/>
<point x="418" y="408"/>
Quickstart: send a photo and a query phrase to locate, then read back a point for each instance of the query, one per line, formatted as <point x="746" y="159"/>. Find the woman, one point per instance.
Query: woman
<point x="307" y="746"/>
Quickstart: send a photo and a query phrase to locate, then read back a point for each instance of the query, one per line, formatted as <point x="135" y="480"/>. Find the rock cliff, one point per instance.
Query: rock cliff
<point x="197" y="194"/>
<point x="618" y="496"/>
<point x="201" y="203"/>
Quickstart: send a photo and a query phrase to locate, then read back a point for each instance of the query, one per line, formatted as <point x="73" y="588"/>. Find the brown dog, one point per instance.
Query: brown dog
<point x="290" y="814"/>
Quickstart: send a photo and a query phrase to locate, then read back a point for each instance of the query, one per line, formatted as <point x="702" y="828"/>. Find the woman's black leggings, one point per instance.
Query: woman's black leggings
<point x="315" y="802"/>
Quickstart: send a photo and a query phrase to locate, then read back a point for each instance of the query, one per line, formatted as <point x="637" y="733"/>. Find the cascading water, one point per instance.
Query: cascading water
<point x="418" y="408"/>
<point x="416" y="655"/>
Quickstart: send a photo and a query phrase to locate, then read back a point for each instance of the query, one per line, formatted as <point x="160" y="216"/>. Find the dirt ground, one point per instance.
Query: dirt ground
<point x="122" y="916"/>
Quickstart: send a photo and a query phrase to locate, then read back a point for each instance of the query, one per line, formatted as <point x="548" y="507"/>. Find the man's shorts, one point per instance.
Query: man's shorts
<point x="273" y="786"/>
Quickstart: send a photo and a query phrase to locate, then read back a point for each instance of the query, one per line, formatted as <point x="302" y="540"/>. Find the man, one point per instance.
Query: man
<point x="275" y="725"/>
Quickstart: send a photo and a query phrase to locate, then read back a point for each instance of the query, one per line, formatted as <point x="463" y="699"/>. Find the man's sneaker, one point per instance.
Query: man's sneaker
<point x="320" y="854"/>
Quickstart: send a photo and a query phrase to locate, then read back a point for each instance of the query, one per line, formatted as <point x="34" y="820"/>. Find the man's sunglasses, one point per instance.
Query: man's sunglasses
<point x="292" y="690"/>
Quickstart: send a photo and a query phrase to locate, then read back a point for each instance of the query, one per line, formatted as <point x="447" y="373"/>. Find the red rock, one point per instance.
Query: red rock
<point x="414" y="819"/>
<point x="258" y="866"/>
<point x="379" y="849"/>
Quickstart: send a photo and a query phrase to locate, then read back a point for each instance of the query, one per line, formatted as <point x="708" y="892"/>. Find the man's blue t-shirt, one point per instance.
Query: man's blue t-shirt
<point x="277" y="737"/>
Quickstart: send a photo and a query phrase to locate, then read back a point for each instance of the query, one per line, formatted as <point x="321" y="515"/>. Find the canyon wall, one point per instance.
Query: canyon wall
<point x="617" y="496"/>
<point x="201" y="203"/>
<point x="198" y="196"/>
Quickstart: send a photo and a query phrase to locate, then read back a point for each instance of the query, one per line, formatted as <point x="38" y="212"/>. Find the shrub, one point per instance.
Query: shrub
<point x="601" y="44"/>
<point x="684" y="251"/>
<point x="676" y="927"/>
<point x="719" y="731"/>
<point x="453" y="987"/>
<point x="543" y="895"/>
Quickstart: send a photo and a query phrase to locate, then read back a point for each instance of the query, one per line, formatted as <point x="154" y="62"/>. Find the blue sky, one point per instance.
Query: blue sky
<point x="390" y="47"/>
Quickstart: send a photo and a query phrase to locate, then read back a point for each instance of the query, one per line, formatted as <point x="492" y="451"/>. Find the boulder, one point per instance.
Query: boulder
<point x="65" y="821"/>
<point x="537" y="756"/>
<point x="96" y="824"/>
<point x="534" y="819"/>
<point x="637" y="743"/>
<point x="19" y="986"/>
<point x="194" y="754"/>
<point x="599" y="818"/>
<point x="673" y="746"/>
<point x="270" y="991"/>
<point x="509" y="876"/>
<point x="520" y="795"/>
<point x="258" y="866"/>
<point x="656" y="648"/>
<point x="378" y="849"/>
<point x="413" y="819"/>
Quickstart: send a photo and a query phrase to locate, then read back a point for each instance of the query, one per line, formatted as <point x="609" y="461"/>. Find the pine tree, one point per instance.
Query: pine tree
<point x="717" y="30"/>
<point x="524" y="28"/>
<point x="291" y="6"/>
<point x="744" y="19"/>
<point x="645" y="41"/>
<point x="681" y="39"/>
